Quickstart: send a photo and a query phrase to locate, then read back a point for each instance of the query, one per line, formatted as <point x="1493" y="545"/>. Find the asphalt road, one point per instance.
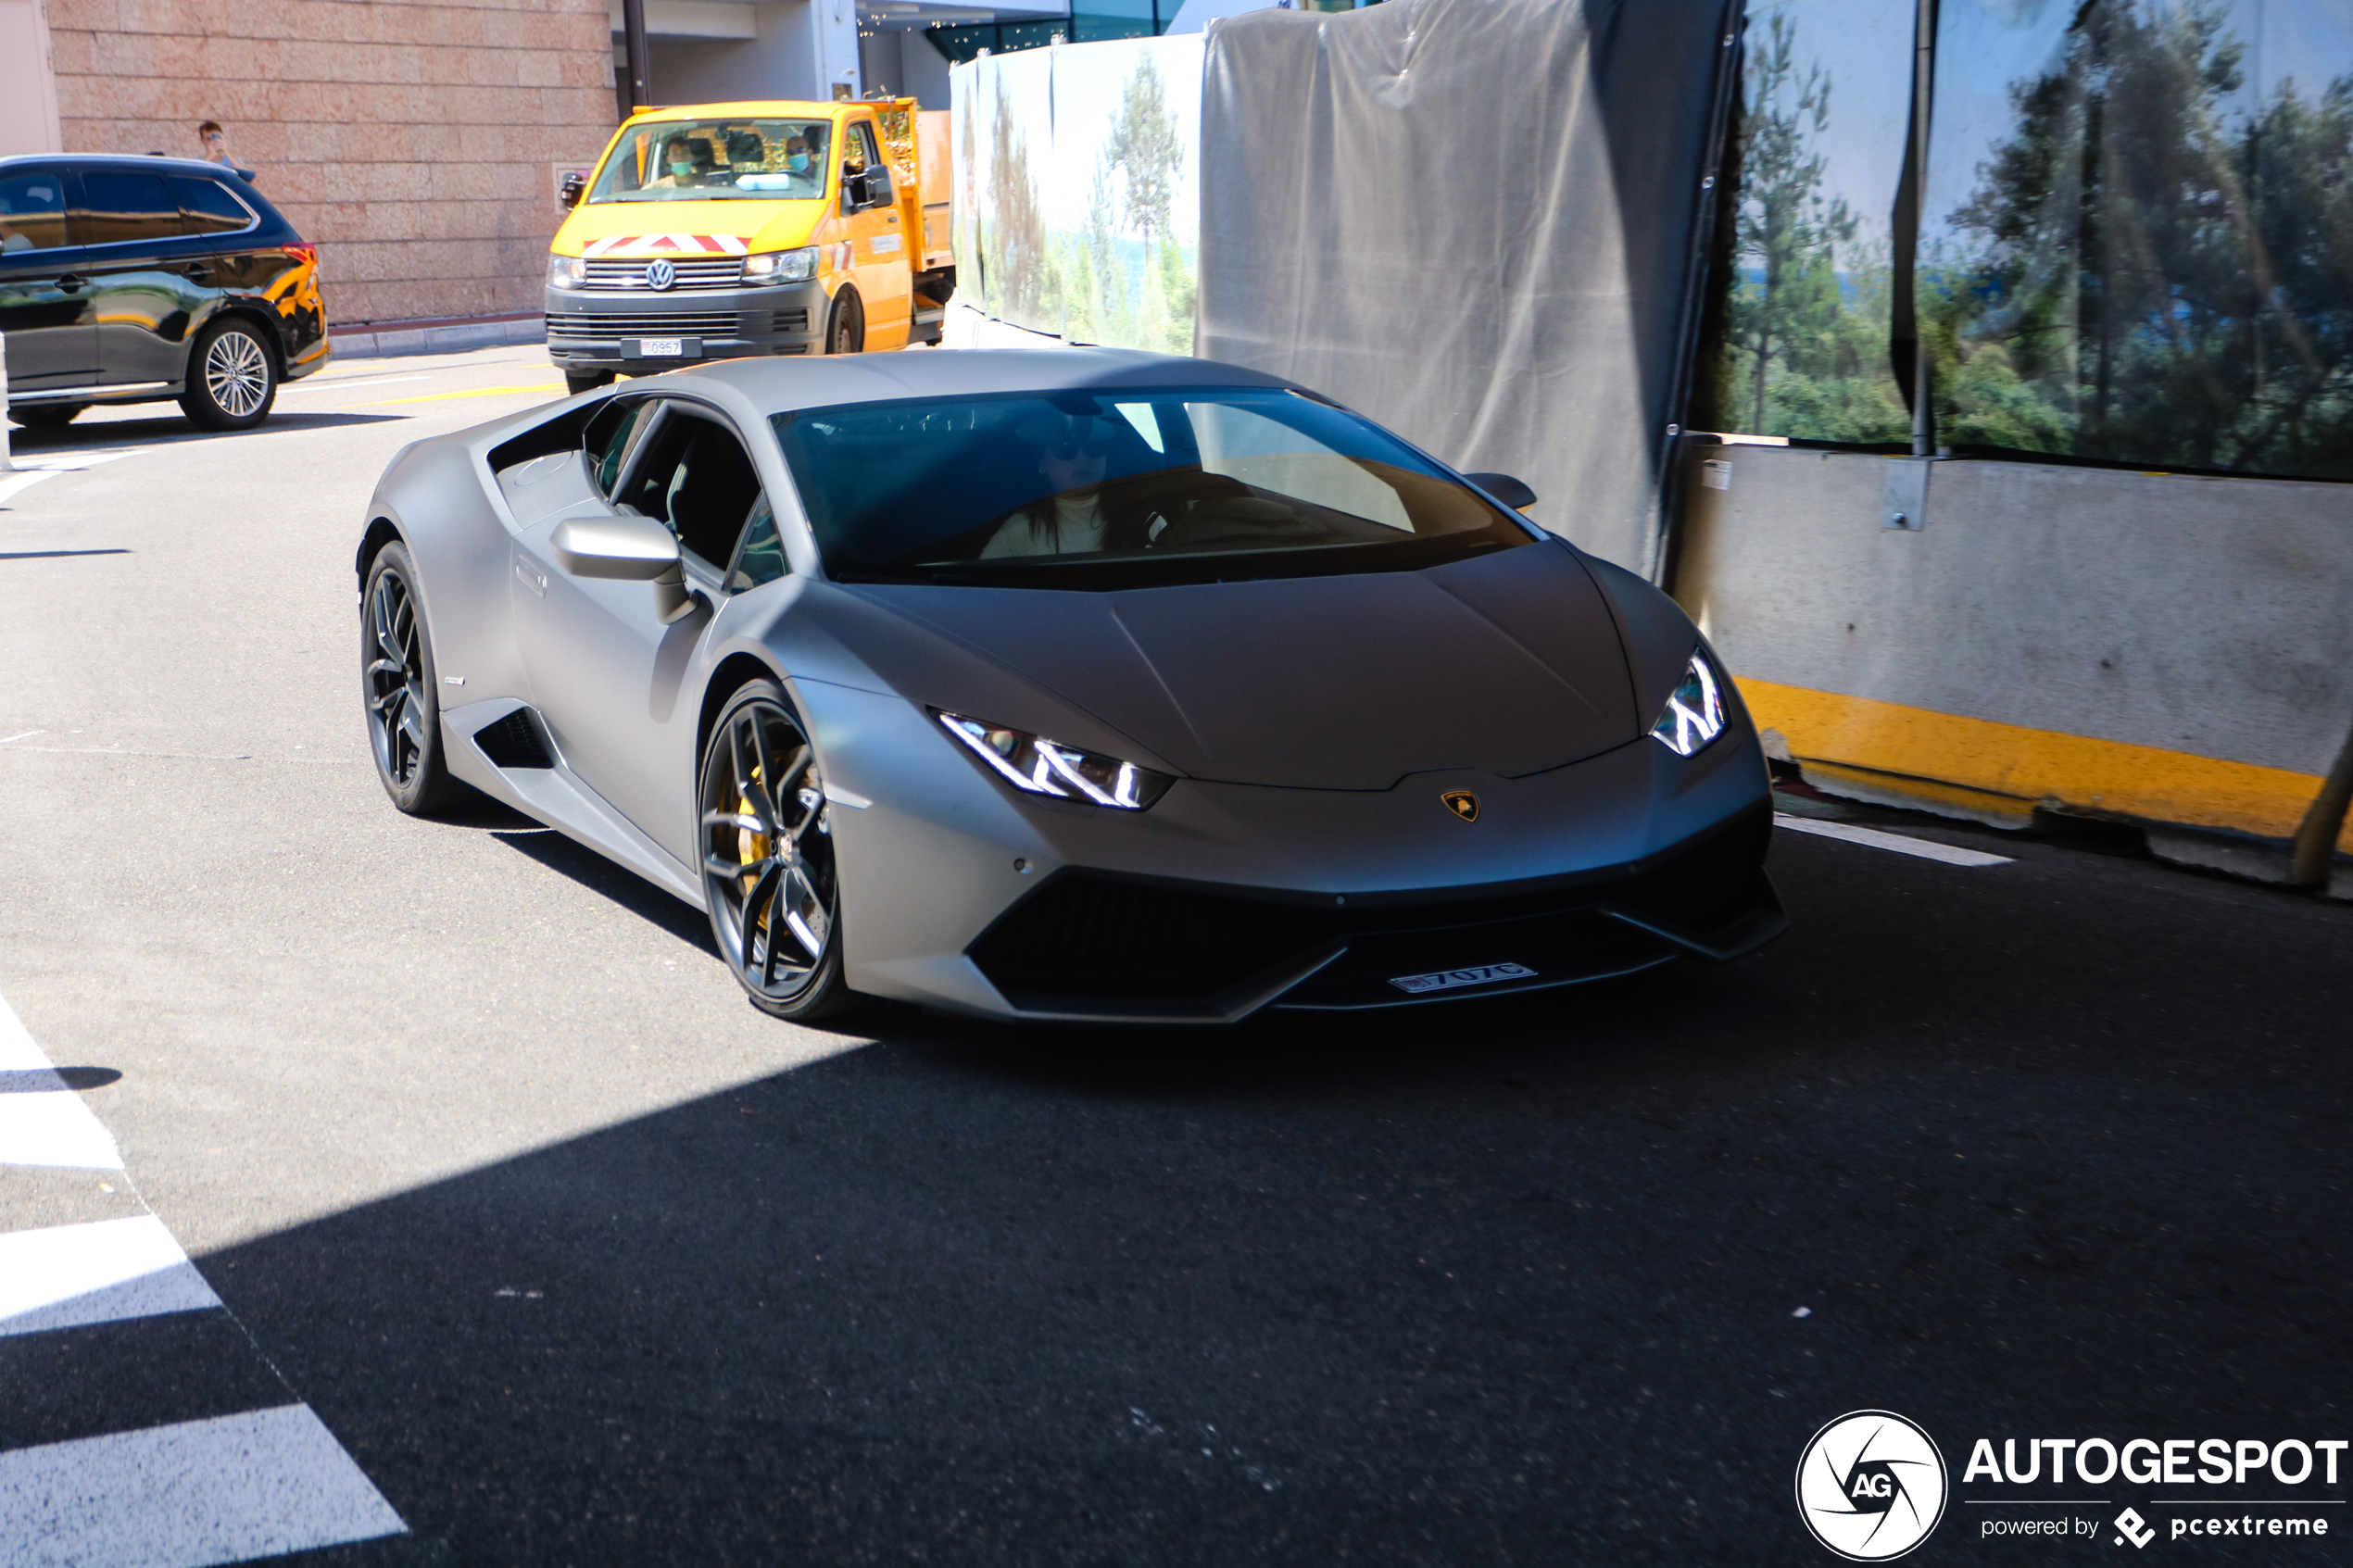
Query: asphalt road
<point x="575" y="1259"/>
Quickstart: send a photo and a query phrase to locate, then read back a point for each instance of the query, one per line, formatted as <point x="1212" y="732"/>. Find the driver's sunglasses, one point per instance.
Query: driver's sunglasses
<point x="1070" y="451"/>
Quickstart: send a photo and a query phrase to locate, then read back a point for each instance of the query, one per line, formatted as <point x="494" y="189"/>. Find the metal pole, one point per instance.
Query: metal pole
<point x="632" y="28"/>
<point x="1923" y="99"/>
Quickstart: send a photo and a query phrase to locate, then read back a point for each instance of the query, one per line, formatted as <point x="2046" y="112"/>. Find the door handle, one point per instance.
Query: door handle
<point x="196" y="271"/>
<point x="71" y="284"/>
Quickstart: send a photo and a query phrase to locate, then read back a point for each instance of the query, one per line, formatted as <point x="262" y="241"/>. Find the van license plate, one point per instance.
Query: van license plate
<point x="660" y="347"/>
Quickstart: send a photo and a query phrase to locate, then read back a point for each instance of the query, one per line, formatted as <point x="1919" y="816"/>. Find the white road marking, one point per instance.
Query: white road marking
<point x="69" y="462"/>
<point x="18" y="483"/>
<point x="27" y="735"/>
<point x="188" y="1494"/>
<point x="69" y="1276"/>
<point x="314" y="383"/>
<point x="46" y="1124"/>
<point x="1922" y="847"/>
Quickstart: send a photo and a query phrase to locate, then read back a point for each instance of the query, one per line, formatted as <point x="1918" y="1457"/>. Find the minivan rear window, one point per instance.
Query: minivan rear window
<point x="120" y="205"/>
<point x="209" y="207"/>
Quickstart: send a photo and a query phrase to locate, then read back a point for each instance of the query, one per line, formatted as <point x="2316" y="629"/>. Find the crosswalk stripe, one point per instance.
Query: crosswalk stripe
<point x="188" y="1494"/>
<point x="42" y="1121"/>
<point x="66" y="1276"/>
<point x="185" y="1494"/>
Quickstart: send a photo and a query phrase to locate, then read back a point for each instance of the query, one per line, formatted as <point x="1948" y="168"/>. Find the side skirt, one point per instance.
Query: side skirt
<point x="557" y="796"/>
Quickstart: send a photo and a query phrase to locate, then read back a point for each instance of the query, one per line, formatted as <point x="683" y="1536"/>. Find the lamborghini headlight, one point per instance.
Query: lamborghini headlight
<point x="1043" y="766"/>
<point x="781" y="266"/>
<point x="1695" y="712"/>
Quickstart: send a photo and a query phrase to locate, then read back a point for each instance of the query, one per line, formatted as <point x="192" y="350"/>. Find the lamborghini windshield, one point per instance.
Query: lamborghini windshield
<point x="1122" y="489"/>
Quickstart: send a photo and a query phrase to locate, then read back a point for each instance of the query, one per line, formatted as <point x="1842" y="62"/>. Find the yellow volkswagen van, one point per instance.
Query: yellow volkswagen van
<point x="724" y="229"/>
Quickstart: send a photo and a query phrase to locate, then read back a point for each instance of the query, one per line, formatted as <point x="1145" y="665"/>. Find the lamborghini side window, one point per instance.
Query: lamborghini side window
<point x="761" y="559"/>
<point x="694" y="478"/>
<point x="608" y="436"/>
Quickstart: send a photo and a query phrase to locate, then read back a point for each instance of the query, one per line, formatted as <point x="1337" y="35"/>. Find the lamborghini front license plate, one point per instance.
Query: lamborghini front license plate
<point x="1447" y="979"/>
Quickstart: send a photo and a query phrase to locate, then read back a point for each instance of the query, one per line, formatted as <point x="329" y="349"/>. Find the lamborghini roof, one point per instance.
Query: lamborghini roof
<point x="775" y="385"/>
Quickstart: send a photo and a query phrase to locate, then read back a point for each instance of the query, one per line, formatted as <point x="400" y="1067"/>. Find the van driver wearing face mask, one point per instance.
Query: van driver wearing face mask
<point x="803" y="166"/>
<point x="678" y="166"/>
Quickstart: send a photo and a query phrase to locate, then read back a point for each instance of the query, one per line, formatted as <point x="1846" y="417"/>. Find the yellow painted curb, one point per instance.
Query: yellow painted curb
<point x="2007" y="770"/>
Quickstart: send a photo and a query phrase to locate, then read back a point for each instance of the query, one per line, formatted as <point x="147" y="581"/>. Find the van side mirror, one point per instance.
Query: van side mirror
<point x="1512" y="493"/>
<point x="573" y="188"/>
<point x="853" y="190"/>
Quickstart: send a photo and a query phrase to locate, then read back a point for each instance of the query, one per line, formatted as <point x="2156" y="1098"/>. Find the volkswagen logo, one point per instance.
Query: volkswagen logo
<point x="661" y="274"/>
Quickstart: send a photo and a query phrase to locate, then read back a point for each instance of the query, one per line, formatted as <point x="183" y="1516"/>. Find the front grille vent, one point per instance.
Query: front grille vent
<point x="1086" y="936"/>
<point x="792" y="321"/>
<point x="597" y="326"/>
<point x="716" y="272"/>
<point x="514" y="742"/>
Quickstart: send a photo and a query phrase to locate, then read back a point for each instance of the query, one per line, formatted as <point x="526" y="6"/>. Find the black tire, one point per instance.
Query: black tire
<point x="400" y="688"/>
<point x="46" y="415"/>
<point x="232" y="377"/>
<point x="768" y="864"/>
<point x="845" y="329"/>
<point x="578" y="382"/>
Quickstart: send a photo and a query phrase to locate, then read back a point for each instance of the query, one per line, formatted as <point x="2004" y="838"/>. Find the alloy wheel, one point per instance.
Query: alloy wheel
<point x="396" y="680"/>
<point x="236" y="372"/>
<point x="767" y="851"/>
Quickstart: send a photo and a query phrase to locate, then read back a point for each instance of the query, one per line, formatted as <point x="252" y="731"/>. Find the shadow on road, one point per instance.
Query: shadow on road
<point x="171" y="430"/>
<point x="2038" y="1151"/>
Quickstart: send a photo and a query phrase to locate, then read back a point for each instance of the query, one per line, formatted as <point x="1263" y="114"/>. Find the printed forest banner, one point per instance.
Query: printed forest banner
<point x="1078" y="198"/>
<point x="2137" y="243"/>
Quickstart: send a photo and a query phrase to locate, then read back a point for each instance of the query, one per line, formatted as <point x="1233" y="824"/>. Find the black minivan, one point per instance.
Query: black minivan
<point x="134" y="280"/>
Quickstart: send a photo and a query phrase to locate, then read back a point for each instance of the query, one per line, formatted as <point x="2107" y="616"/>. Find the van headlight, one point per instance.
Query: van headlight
<point x="1695" y="713"/>
<point x="1038" y="765"/>
<point x="566" y="271"/>
<point x="781" y="266"/>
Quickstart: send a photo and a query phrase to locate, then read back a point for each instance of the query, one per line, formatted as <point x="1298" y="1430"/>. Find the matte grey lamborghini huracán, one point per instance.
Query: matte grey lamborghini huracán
<point x="1072" y="685"/>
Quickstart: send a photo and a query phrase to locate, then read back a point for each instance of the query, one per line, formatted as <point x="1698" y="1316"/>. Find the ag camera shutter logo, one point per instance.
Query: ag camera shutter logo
<point x="1871" y="1486"/>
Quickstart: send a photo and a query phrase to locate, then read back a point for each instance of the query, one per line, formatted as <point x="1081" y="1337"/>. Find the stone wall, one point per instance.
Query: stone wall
<point x="416" y="144"/>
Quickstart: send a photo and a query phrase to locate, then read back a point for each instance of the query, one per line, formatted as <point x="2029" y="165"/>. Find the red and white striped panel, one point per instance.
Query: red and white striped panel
<point x="666" y="244"/>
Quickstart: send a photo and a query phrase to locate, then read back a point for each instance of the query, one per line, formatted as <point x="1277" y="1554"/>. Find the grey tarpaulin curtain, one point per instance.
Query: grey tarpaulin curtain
<point x="1476" y="221"/>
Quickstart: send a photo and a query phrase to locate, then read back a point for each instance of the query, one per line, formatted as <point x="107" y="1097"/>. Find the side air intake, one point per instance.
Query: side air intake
<point x="514" y="742"/>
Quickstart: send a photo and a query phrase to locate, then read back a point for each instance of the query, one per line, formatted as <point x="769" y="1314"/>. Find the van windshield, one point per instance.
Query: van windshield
<point x="1111" y="490"/>
<point x="706" y="160"/>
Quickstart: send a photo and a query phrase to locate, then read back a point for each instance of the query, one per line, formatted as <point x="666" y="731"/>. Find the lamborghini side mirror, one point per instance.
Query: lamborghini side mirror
<point x="617" y="545"/>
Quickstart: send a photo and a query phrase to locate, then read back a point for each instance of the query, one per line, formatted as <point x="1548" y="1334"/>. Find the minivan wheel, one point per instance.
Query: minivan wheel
<point x="846" y="333"/>
<point x="46" y="415"/>
<point x="233" y="378"/>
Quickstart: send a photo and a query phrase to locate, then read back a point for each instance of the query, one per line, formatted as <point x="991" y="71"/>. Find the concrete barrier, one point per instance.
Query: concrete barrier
<point x="2171" y="651"/>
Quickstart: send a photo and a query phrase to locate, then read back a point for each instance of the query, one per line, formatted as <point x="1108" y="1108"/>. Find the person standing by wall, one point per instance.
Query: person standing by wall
<point x="215" y="143"/>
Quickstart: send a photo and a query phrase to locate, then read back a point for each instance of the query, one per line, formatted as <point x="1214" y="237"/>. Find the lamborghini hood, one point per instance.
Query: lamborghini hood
<point x="1510" y="664"/>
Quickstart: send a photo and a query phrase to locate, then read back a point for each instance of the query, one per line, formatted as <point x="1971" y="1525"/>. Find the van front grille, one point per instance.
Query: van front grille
<point x="714" y="272"/>
<point x="597" y="326"/>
